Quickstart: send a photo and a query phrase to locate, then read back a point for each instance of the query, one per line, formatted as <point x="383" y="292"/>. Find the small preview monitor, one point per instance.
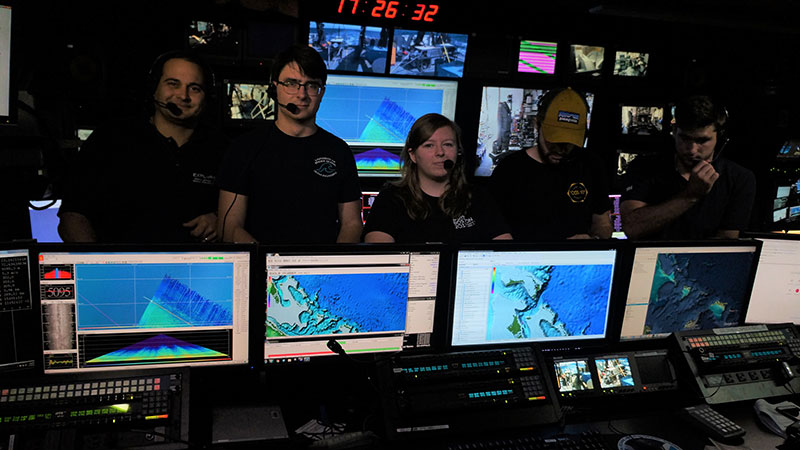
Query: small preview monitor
<point x="350" y="48"/>
<point x="6" y="95"/>
<point x="776" y="289"/>
<point x="17" y="321"/>
<point x="573" y="375"/>
<point x="428" y="53"/>
<point x="790" y="149"/>
<point x="780" y="214"/>
<point x="586" y="59"/>
<point x="248" y="102"/>
<point x="631" y="64"/>
<point x="537" y="57"/>
<point x="642" y="120"/>
<point x="513" y="294"/>
<point x="367" y="199"/>
<point x="614" y="371"/>
<point x="794" y="211"/>
<point x="111" y="308"/>
<point x="783" y="191"/>
<point x="214" y="40"/>
<point x="506" y="123"/>
<point x="624" y="160"/>
<point x="678" y="286"/>
<point x="366" y="300"/>
<point x="44" y="220"/>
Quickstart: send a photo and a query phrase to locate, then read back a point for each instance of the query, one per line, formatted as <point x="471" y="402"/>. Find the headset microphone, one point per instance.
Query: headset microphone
<point x="449" y="164"/>
<point x="291" y="107"/>
<point x="172" y="107"/>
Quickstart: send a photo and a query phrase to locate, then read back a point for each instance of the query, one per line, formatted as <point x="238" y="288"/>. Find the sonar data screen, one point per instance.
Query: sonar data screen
<point x="531" y="296"/>
<point x="108" y="311"/>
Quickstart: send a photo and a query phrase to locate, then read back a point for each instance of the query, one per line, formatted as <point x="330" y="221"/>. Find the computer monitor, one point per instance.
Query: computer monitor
<point x="512" y="293"/>
<point x="368" y="299"/>
<point x="631" y="64"/>
<point x="44" y="220"/>
<point x="506" y="123"/>
<point x="350" y="48"/>
<point x="776" y="289"/>
<point x="677" y="286"/>
<point x="537" y="57"/>
<point x="247" y="102"/>
<point x="374" y="114"/>
<point x="7" y="96"/>
<point x="215" y="40"/>
<point x="642" y="120"/>
<point x="18" y="324"/>
<point x="132" y="307"/>
<point x="428" y="53"/>
<point x="586" y="59"/>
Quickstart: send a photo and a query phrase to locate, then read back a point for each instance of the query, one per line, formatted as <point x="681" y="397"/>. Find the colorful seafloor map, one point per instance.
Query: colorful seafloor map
<point x="537" y="302"/>
<point x="697" y="291"/>
<point x="307" y="305"/>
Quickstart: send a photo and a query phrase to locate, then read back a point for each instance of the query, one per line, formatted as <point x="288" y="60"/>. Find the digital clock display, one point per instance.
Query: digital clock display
<point x="414" y="11"/>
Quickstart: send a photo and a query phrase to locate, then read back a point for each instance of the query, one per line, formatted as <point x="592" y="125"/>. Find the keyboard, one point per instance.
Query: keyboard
<point x="583" y="441"/>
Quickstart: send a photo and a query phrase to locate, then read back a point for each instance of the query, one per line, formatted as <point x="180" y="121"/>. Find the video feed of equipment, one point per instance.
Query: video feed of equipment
<point x="537" y="57"/>
<point x="786" y="203"/>
<point x="631" y="64"/>
<point x="516" y="296"/>
<point x="624" y="159"/>
<point x="44" y="220"/>
<point x="573" y="375"/>
<point x="613" y="372"/>
<point x="248" y="101"/>
<point x="586" y="59"/>
<point x="350" y="48"/>
<point x="213" y="38"/>
<point x="642" y="120"/>
<point x="688" y="287"/>
<point x="790" y="149"/>
<point x="776" y="289"/>
<point x="104" y="310"/>
<point x="374" y="114"/>
<point x="366" y="302"/>
<point x="506" y="123"/>
<point x="5" y="64"/>
<point x="428" y="53"/>
<point x="367" y="199"/>
<point x="17" y="323"/>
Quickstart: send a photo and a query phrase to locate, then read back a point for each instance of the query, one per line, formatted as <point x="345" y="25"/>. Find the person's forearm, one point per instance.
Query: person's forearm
<point x="601" y="229"/>
<point x="238" y="234"/>
<point x="349" y="233"/>
<point x="647" y="220"/>
<point x="75" y="227"/>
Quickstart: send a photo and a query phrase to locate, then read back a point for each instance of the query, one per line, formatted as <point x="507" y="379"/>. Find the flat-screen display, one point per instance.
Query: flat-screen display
<point x="776" y="289"/>
<point x="111" y="310"/>
<point x="367" y="199"/>
<point x="365" y="300"/>
<point x="573" y="375"/>
<point x="248" y="101"/>
<point x="689" y="286"/>
<point x="537" y="57"/>
<point x="506" y="123"/>
<point x="511" y="296"/>
<point x="350" y="48"/>
<point x="780" y="214"/>
<point x="214" y="39"/>
<point x="614" y="372"/>
<point x="642" y="120"/>
<point x="790" y="149"/>
<point x="5" y="64"/>
<point x="428" y="53"/>
<point x="44" y="220"/>
<point x="586" y="59"/>
<point x="631" y="64"/>
<point x="17" y="321"/>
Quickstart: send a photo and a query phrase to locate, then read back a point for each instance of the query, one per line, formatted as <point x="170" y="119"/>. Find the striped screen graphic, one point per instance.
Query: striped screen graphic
<point x="537" y="57"/>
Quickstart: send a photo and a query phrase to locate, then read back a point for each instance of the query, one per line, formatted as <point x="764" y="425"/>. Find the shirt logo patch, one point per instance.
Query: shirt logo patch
<point x="463" y="222"/>
<point x="325" y="167"/>
<point x="577" y="192"/>
<point x="568" y="117"/>
<point x="200" y="178"/>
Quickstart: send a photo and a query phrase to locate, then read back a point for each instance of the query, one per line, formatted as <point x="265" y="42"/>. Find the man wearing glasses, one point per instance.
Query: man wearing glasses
<point x="555" y="190"/>
<point x="291" y="181"/>
<point x="692" y="193"/>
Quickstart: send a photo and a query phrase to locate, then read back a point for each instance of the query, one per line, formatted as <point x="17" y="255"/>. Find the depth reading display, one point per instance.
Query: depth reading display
<point x="389" y="9"/>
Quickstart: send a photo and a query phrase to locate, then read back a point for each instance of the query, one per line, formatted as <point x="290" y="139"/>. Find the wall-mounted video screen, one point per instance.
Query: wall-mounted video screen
<point x="214" y="39"/>
<point x="350" y="48"/>
<point x="537" y="57"/>
<point x="642" y="120"/>
<point x="428" y="53"/>
<point x="624" y="160"/>
<point x="631" y="64"/>
<point x="586" y="59"/>
<point x="248" y="101"/>
<point x="506" y="123"/>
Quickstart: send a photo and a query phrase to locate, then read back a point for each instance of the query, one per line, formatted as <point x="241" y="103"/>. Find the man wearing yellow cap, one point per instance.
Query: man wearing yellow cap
<point x="555" y="190"/>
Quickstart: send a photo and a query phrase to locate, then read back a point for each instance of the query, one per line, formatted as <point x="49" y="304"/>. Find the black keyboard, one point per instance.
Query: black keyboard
<point x="583" y="441"/>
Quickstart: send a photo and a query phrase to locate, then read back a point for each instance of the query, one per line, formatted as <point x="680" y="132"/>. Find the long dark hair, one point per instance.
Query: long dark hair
<point x="457" y="197"/>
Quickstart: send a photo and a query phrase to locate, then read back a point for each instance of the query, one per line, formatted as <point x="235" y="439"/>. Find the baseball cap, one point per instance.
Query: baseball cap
<point x="565" y="118"/>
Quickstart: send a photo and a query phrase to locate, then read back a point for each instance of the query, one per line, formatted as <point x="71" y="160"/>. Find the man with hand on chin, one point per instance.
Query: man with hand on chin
<point x="555" y="190"/>
<point x="291" y="181"/>
<point x="154" y="180"/>
<point x="695" y="193"/>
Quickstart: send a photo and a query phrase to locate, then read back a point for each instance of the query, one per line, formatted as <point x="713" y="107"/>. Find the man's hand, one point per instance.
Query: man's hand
<point x="203" y="227"/>
<point x="701" y="180"/>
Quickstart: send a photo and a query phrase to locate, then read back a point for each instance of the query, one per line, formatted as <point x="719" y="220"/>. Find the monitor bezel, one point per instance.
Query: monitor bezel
<point x="249" y="248"/>
<point x="561" y="346"/>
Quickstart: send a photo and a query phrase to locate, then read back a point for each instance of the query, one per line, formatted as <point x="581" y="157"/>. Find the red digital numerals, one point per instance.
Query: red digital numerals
<point x="389" y="9"/>
<point x="425" y="12"/>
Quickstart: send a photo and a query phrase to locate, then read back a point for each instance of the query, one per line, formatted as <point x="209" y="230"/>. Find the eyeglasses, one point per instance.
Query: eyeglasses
<point x="293" y="86"/>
